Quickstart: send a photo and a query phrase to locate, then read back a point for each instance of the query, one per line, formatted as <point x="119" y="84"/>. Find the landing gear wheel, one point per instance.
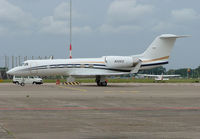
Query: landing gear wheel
<point x="102" y="83"/>
<point x="98" y="83"/>
<point x="22" y="84"/>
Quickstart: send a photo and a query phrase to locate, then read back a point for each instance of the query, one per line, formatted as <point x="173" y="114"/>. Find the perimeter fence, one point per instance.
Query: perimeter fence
<point x="9" y="62"/>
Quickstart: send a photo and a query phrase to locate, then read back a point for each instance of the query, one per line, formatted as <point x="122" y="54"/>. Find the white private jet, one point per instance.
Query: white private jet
<point x="161" y="77"/>
<point x="157" y="54"/>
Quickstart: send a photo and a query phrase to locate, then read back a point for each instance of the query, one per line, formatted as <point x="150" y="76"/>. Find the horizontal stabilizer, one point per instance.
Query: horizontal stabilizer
<point x="166" y="36"/>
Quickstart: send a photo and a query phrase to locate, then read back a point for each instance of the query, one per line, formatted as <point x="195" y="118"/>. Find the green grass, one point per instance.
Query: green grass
<point x="5" y="81"/>
<point x="129" y="80"/>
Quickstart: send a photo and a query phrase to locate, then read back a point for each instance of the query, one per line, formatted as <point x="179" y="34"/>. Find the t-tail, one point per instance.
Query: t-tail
<point x="158" y="52"/>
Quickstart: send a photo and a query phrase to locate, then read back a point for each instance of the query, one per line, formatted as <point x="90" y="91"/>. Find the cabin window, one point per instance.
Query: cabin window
<point x="91" y="65"/>
<point x="69" y="66"/>
<point x="82" y="66"/>
<point x="77" y="66"/>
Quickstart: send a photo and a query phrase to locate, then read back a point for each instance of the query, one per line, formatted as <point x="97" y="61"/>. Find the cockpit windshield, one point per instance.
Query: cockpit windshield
<point x="25" y="64"/>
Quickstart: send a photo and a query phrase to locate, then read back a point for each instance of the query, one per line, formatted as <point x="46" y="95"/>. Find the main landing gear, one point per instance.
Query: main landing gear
<point x="101" y="81"/>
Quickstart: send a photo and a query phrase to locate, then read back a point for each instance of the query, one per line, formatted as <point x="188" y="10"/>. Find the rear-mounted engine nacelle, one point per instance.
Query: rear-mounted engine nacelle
<point x="120" y="61"/>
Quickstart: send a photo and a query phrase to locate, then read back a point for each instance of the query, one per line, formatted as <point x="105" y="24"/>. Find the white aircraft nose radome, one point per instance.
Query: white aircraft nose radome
<point x="11" y="72"/>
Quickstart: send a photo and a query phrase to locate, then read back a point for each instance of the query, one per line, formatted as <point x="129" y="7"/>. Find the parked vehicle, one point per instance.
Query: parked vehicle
<point x="27" y="80"/>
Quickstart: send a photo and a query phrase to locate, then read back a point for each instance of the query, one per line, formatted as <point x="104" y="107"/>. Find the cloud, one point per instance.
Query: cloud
<point x="57" y="24"/>
<point x="50" y="25"/>
<point x="3" y="30"/>
<point x="185" y="15"/>
<point x="121" y="16"/>
<point x="120" y="29"/>
<point x="13" y="19"/>
<point x="178" y="19"/>
<point x="126" y="11"/>
<point x="61" y="12"/>
<point x="162" y="26"/>
<point x="59" y="27"/>
<point x="125" y="16"/>
<point x="85" y="29"/>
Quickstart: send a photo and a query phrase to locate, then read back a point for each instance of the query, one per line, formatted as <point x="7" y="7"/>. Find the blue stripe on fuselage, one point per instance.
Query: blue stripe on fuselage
<point x="95" y="66"/>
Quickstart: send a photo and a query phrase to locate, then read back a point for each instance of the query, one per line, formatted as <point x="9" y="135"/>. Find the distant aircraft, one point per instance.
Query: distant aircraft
<point x="159" y="77"/>
<point x="157" y="54"/>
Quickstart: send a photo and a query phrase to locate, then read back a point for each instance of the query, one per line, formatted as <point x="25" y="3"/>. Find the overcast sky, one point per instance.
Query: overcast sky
<point x="100" y="27"/>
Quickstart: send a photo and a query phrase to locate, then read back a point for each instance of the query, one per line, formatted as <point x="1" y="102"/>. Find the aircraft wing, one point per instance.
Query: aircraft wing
<point x="107" y="73"/>
<point x="170" y="75"/>
<point x="148" y="75"/>
<point x="100" y="74"/>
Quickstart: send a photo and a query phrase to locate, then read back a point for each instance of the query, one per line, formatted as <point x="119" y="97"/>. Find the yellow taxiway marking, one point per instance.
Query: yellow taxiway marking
<point x="72" y="88"/>
<point x="129" y="91"/>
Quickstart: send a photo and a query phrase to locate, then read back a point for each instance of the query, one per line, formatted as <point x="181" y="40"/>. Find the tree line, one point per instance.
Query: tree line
<point x="183" y="72"/>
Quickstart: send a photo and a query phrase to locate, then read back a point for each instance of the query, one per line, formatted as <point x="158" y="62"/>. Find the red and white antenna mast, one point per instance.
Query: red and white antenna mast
<point x="70" y="51"/>
<point x="70" y="28"/>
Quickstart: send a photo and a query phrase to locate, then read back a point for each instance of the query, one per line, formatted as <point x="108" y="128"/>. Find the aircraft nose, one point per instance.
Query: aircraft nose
<point x="10" y="72"/>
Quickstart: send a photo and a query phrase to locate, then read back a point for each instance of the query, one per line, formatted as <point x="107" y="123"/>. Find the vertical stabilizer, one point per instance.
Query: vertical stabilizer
<point x="161" y="47"/>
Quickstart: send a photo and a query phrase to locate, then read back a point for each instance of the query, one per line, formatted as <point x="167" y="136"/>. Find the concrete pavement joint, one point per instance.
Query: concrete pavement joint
<point x="122" y="91"/>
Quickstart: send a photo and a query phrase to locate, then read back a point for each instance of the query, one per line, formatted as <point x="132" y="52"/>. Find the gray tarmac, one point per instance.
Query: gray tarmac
<point x="118" y="111"/>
